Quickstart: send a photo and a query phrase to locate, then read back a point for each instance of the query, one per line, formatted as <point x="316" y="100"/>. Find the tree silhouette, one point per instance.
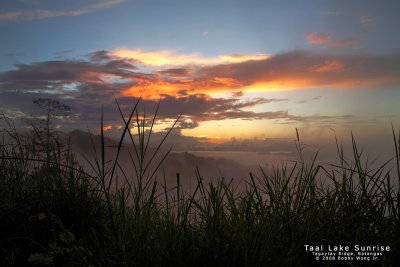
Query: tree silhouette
<point x="43" y="124"/>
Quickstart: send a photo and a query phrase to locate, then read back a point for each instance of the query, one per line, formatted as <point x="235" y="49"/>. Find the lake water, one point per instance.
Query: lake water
<point x="246" y="158"/>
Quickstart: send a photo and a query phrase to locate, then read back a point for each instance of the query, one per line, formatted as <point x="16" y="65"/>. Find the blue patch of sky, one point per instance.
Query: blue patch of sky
<point x="233" y="27"/>
<point x="74" y="86"/>
<point x="361" y="103"/>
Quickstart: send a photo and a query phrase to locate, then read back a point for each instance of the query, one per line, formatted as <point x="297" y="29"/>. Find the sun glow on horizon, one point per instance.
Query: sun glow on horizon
<point x="164" y="58"/>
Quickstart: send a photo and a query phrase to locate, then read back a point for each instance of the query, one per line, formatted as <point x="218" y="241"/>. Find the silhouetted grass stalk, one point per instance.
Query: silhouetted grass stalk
<point x="129" y="219"/>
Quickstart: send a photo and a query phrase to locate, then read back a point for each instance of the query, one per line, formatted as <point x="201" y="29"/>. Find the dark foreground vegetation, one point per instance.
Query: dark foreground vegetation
<point x="56" y="213"/>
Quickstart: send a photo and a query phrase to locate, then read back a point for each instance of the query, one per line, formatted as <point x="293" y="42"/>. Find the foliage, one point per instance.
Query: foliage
<point x="53" y="212"/>
<point x="44" y="134"/>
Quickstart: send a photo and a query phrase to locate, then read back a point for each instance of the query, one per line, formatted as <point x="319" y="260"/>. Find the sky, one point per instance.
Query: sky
<point x="243" y="75"/>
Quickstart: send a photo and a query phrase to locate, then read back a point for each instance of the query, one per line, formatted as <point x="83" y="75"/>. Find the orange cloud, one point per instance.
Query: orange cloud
<point x="171" y="58"/>
<point x="282" y="72"/>
<point x="191" y="90"/>
<point x="297" y="70"/>
<point x="328" y="66"/>
<point x="153" y="89"/>
<point x="107" y="127"/>
<point x="318" y="38"/>
<point x="237" y="58"/>
<point x="345" y="42"/>
<point x="105" y="74"/>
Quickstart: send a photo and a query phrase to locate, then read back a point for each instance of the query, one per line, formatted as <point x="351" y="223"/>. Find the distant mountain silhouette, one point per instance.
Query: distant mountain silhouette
<point x="184" y="163"/>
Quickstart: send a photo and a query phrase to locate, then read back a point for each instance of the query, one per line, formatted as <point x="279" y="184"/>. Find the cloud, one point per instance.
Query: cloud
<point x="366" y="20"/>
<point x="172" y="58"/>
<point x="330" y="13"/>
<point x="345" y="42"/>
<point x="64" y="52"/>
<point x="187" y="124"/>
<point x="237" y="94"/>
<point x="302" y="69"/>
<point x="200" y="107"/>
<point x="237" y="58"/>
<point x="318" y="38"/>
<point x="85" y="85"/>
<point x="43" y="14"/>
<point x="328" y="66"/>
<point x="176" y="72"/>
<point x="17" y="54"/>
<point x="322" y="38"/>
<point x="100" y="55"/>
<point x="189" y="90"/>
<point x="10" y="16"/>
<point x="54" y="74"/>
<point x="129" y="77"/>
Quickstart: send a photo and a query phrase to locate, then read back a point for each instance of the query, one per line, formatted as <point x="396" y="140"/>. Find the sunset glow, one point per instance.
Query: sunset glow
<point x="199" y="133"/>
<point x="172" y="58"/>
<point x="325" y="68"/>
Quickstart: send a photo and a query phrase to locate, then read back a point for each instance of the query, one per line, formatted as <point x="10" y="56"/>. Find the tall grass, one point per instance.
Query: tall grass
<point x="54" y="212"/>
